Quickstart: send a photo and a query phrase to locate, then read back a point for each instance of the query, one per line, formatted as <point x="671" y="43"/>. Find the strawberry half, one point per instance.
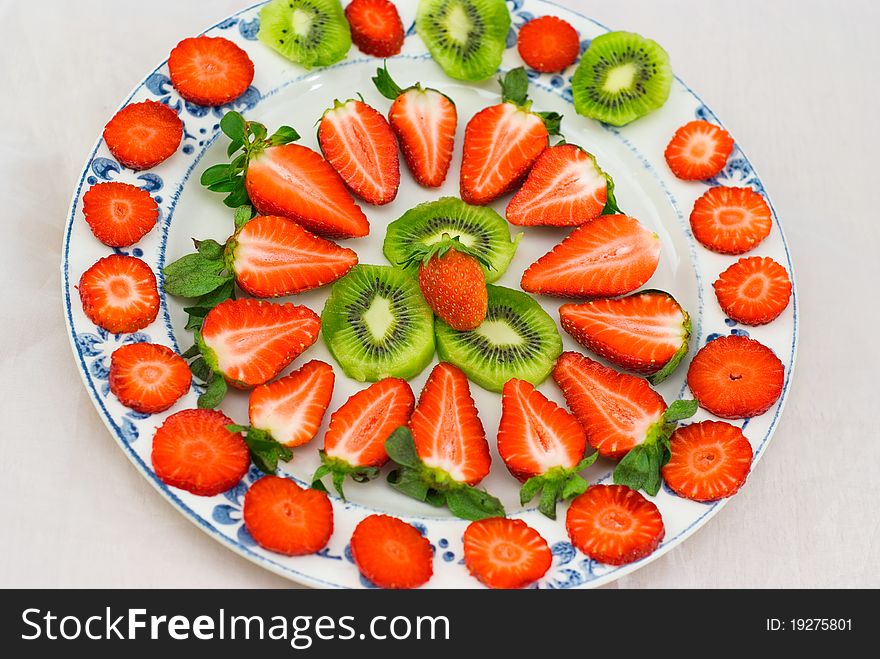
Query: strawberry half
<point x="148" y="377"/>
<point x="273" y="256"/>
<point x="142" y="135"/>
<point x="452" y="281"/>
<point x="730" y="220"/>
<point x="624" y="418"/>
<point x="646" y="332"/>
<point x="285" y="518"/>
<point x="753" y="291"/>
<point x="565" y="188"/>
<point x="698" y="151"/>
<point x="505" y="553"/>
<point x="424" y="121"/>
<point x="502" y="142"/>
<point x="194" y="451"/>
<point x="710" y="460"/>
<point x="355" y="441"/>
<point x="119" y="294"/>
<point x="119" y="214"/>
<point x="391" y="553"/>
<point x="542" y="445"/>
<point x="444" y="452"/>
<point x="360" y="145"/>
<point x="736" y="377"/>
<point x="376" y="28"/>
<point x="249" y="342"/>
<point x="611" y="255"/>
<point x="614" y="524"/>
<point x="548" y="44"/>
<point x="210" y="70"/>
<point x="280" y="178"/>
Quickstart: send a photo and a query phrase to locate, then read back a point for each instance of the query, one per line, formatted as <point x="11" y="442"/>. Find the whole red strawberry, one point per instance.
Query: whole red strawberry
<point x="452" y="282"/>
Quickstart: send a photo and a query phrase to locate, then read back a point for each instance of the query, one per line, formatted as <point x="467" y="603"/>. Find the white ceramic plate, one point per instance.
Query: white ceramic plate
<point x="283" y="93"/>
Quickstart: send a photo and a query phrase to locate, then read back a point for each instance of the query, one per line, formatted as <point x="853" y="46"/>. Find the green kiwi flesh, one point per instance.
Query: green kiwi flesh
<point x="478" y="227"/>
<point x="376" y="324"/>
<point x="307" y="32"/>
<point x="466" y="38"/>
<point x="622" y="76"/>
<point x="518" y="339"/>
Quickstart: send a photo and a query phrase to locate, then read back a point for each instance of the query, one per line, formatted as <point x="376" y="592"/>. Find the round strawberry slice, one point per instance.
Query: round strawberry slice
<point x="193" y="450"/>
<point x="285" y="518"/>
<point x="736" y="377"/>
<point x="142" y="135"/>
<point x="710" y="460"/>
<point x="148" y="377"/>
<point x="119" y="214"/>
<point x="698" y="151"/>
<point x="730" y="220"/>
<point x="210" y="70"/>
<point x="391" y="553"/>
<point x="753" y="291"/>
<point x="614" y="524"/>
<point x="505" y="553"/>
<point x="548" y="44"/>
<point x="119" y="294"/>
<point x="376" y="28"/>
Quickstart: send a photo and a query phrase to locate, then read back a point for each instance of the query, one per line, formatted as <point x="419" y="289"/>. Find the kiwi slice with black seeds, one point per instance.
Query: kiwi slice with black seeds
<point x="622" y="76"/>
<point x="376" y="324"/>
<point x="307" y="32"/>
<point x="477" y="227"/>
<point x="466" y="38"/>
<point x="518" y="339"/>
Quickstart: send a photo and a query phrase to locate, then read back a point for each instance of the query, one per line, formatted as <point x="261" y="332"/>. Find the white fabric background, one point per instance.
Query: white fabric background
<point x="794" y="80"/>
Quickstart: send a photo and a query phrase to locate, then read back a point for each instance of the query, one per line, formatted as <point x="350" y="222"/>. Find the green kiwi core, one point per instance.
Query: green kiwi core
<point x="459" y="25"/>
<point x="468" y="240"/>
<point x="301" y="22"/>
<point x="620" y="78"/>
<point x="499" y="333"/>
<point x="379" y="318"/>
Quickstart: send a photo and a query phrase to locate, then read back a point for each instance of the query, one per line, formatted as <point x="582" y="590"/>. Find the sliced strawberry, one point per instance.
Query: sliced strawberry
<point x="614" y="524"/>
<point x="285" y="518"/>
<point x="424" y="121"/>
<point x="391" y="553"/>
<point x="736" y="377"/>
<point x="505" y="553"/>
<point x="119" y="294"/>
<point x="194" y="451"/>
<point x="148" y="377"/>
<point x="502" y="142"/>
<point x="251" y="341"/>
<point x="564" y="188"/>
<point x="376" y="28"/>
<point x="616" y="410"/>
<point x="710" y="460"/>
<point x="292" y="408"/>
<point x="210" y="70"/>
<point x="698" y="151"/>
<point x="645" y="332"/>
<point x="611" y="255"/>
<point x="360" y="145"/>
<point x="753" y="291"/>
<point x="273" y="256"/>
<point x="119" y="214"/>
<point x="142" y="135"/>
<point x="355" y="441"/>
<point x="446" y="427"/>
<point x="730" y="220"/>
<point x="548" y="44"/>
<point x="296" y="182"/>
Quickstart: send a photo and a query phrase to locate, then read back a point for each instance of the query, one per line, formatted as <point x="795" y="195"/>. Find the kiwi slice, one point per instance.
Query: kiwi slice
<point x="518" y="339"/>
<point x="307" y="32"/>
<point x="466" y="37"/>
<point x="478" y="227"/>
<point x="622" y="76"/>
<point x="376" y="324"/>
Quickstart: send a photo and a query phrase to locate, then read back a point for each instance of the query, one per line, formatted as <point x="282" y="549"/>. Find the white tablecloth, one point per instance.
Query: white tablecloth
<point x="795" y="81"/>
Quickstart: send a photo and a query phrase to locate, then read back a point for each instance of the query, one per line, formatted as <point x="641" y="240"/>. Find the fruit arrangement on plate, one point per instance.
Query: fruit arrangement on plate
<point x="363" y="379"/>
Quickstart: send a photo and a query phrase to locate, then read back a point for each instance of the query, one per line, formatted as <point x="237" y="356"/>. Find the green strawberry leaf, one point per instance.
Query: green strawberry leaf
<point x="385" y="83"/>
<point x="265" y="451"/>
<point x="640" y="468"/>
<point x="243" y="215"/>
<point x="194" y="275"/>
<point x="573" y="486"/>
<point x="680" y="409"/>
<point x="552" y="121"/>
<point x="200" y="369"/>
<point x="216" y="174"/>
<point x="192" y="351"/>
<point x="204" y="303"/>
<point x="515" y="86"/>
<point x="402" y="449"/>
<point x="471" y="503"/>
<point x="409" y="481"/>
<point x="210" y="249"/>
<point x="530" y="489"/>
<point x="611" y="207"/>
<point x="214" y="392"/>
<point x="284" y="135"/>
<point x="234" y="126"/>
<point x="676" y="359"/>
<point x="259" y="131"/>
<point x="547" y="504"/>
<point x="339" y="469"/>
<point x="238" y="196"/>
